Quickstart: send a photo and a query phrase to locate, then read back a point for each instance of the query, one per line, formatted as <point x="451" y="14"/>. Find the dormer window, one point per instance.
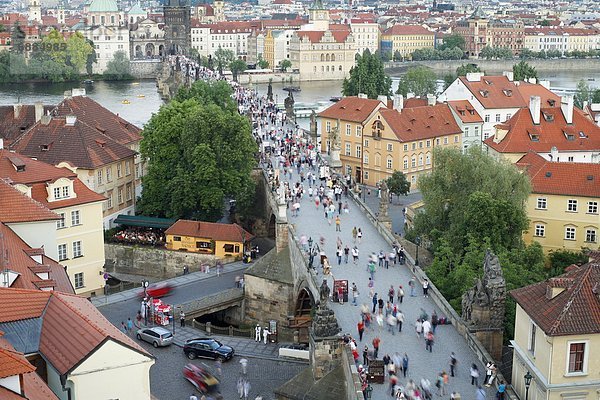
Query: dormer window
<point x="534" y="137"/>
<point x="582" y="135"/>
<point x="569" y="136"/>
<point x="507" y="92"/>
<point x="551" y="102"/>
<point x="376" y="129"/>
<point x="484" y="93"/>
<point x="488" y="82"/>
<point x="548" y="117"/>
<point x="45" y="147"/>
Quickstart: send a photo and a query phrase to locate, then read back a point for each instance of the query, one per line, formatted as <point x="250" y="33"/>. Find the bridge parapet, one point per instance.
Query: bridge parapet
<point x="213" y="303"/>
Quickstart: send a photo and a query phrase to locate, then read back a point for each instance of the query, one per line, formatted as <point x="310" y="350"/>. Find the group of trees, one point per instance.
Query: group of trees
<point x="455" y="53"/>
<point x="420" y="81"/>
<point x="368" y="77"/>
<point x="584" y="93"/>
<point x="496" y="53"/>
<point x="201" y="152"/>
<point x="530" y="54"/>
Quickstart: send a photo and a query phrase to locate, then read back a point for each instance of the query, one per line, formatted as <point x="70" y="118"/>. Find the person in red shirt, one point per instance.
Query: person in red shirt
<point x="376" y="343"/>
<point x="361" y="329"/>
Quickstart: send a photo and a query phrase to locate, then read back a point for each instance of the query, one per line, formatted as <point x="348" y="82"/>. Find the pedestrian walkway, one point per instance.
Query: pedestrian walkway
<point x="181" y="280"/>
<point x="422" y="364"/>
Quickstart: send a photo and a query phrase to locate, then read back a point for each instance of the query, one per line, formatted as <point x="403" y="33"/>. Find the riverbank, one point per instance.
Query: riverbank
<point x="497" y="66"/>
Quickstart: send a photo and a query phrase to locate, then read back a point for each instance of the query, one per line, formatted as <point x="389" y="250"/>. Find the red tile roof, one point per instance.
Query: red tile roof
<point x="11" y="361"/>
<point x="413" y="102"/>
<point x="408" y="30"/>
<point x="465" y="111"/>
<point x="36" y="388"/>
<point x="211" y="230"/>
<point x="421" y="122"/>
<point x="574" y="311"/>
<point x="351" y="109"/>
<point x="552" y="131"/>
<point x="547" y="98"/>
<point x="339" y="33"/>
<point x="574" y="179"/>
<point x="495" y="92"/>
<point x="73" y="328"/>
<point x="95" y="115"/>
<point x="15" y="120"/>
<point x="20" y="262"/>
<point x="18" y="304"/>
<point x="80" y="144"/>
<point x="18" y="207"/>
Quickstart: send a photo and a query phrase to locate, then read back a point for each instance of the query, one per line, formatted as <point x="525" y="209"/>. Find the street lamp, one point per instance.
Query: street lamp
<point x="369" y="391"/>
<point x="528" y="378"/>
<point x="418" y="243"/>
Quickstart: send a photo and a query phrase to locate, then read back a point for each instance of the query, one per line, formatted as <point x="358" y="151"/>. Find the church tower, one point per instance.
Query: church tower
<point x="35" y="11"/>
<point x="219" y="9"/>
<point x="318" y="16"/>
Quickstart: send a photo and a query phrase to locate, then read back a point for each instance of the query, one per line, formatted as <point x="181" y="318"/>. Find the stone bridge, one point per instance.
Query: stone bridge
<point x="223" y="300"/>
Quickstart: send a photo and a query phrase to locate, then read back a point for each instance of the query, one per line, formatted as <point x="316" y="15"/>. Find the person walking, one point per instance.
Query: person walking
<point x="265" y="332"/>
<point x="129" y="326"/>
<point x="501" y="390"/>
<point x="257" y="333"/>
<point x="429" y="341"/>
<point x="376" y="343"/>
<point x="392" y="321"/>
<point x="372" y="270"/>
<point x="400" y="319"/>
<point x="124" y="328"/>
<point x="434" y="321"/>
<point x="474" y="375"/>
<point x="355" y="294"/>
<point x="346" y="253"/>
<point x="411" y="285"/>
<point x="418" y="327"/>
<point x="244" y="365"/>
<point x="354" y="234"/>
<point x="400" y="294"/>
<point x="374" y="303"/>
<point x="338" y="224"/>
<point x="391" y="293"/>
<point x="405" y="365"/>
<point x="182" y="319"/>
<point x="439" y="384"/>
<point x="453" y="363"/>
<point x="355" y="255"/>
<point x="366" y="355"/>
<point x="339" y="253"/>
<point x="359" y="235"/>
<point x="380" y="306"/>
<point x="361" y="329"/>
<point x="445" y="381"/>
<point x="426" y="288"/>
<point x="246" y="389"/>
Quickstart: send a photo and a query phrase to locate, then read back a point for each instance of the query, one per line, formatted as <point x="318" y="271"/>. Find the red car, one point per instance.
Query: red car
<point x="157" y="290"/>
<point x="200" y="378"/>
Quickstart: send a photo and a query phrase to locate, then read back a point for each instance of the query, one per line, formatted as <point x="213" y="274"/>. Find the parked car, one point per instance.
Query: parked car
<point x="157" y="336"/>
<point x="157" y="290"/>
<point x="203" y="380"/>
<point x="207" y="348"/>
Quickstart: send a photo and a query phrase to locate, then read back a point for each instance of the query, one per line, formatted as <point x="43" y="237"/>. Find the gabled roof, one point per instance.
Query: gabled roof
<point x="351" y="108"/>
<point x="552" y="131"/>
<point x="547" y="98"/>
<point x="99" y="117"/>
<point x="465" y="111"/>
<point x="340" y="34"/>
<point x="211" y="230"/>
<point x="18" y="304"/>
<point x="573" y="311"/>
<point x="421" y="122"/>
<point x="18" y="207"/>
<point x="79" y="144"/>
<point x="407" y="30"/>
<point x="12" y="362"/>
<point x="15" y="120"/>
<point x="495" y="92"/>
<point x="574" y="179"/>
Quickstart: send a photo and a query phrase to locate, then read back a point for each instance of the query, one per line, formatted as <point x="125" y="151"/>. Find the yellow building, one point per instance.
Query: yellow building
<point x="221" y="240"/>
<point x="269" y="49"/>
<point x="348" y="116"/>
<point x="557" y="337"/>
<point x="406" y="39"/>
<point x="403" y="139"/>
<point x="563" y="205"/>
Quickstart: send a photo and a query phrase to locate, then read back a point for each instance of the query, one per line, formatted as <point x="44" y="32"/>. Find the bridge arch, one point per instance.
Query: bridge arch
<point x="304" y="303"/>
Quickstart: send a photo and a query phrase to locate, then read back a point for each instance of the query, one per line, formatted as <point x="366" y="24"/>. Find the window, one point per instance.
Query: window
<point x="413" y="162"/>
<point x="348" y="149"/>
<point x="405" y="147"/>
<point x="428" y="143"/>
<point x="540" y="230"/>
<point x="476" y="131"/>
<point x="228" y="248"/>
<point x="137" y="170"/>
<point x="577" y="358"/>
<point x="497" y="117"/>
<point x="358" y="151"/>
<point x="456" y="139"/>
<point x="590" y="235"/>
<point x="61" y="222"/>
<point x="328" y="126"/>
<point x="78" y="280"/>
<point x="389" y="163"/>
<point x="413" y="179"/>
<point x="366" y="144"/>
<point x="437" y="141"/>
<point x="592" y="207"/>
<point x="420" y="160"/>
<point x="572" y="205"/>
<point x="466" y="131"/>
<point x="366" y="175"/>
<point x="120" y="195"/>
<point x="75" y="220"/>
<point x="487" y="117"/>
<point x="405" y="163"/>
<point x="532" y="331"/>
<point x="62" y="252"/>
<point x="390" y="147"/>
<point x="348" y="130"/>
<point x="446" y="140"/>
<point x="203" y="245"/>
<point x="366" y="158"/>
<point x="127" y="168"/>
<point x="108" y="174"/>
<point x="109" y="202"/>
<point x="77" y="249"/>
<point x="542" y="203"/>
<point x="414" y="146"/>
<point x="359" y="131"/>
<point x="427" y="159"/>
<point x="177" y="238"/>
<point x="420" y="145"/>
<point x="99" y="177"/>
<point x="128" y="192"/>
<point x="569" y="233"/>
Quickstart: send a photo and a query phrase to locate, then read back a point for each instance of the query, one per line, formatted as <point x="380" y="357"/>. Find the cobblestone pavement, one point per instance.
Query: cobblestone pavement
<point x="395" y="207"/>
<point x="422" y="364"/>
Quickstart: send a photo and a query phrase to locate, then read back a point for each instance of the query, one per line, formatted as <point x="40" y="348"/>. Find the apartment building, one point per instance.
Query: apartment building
<point x="405" y="39"/>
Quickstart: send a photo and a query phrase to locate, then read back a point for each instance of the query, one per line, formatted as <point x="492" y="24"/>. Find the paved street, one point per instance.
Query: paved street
<point x="395" y="207"/>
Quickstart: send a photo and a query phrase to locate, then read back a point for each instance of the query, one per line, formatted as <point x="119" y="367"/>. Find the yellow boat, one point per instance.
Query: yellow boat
<point x="126" y="102"/>
<point x="135" y="83"/>
<point x="141" y="96"/>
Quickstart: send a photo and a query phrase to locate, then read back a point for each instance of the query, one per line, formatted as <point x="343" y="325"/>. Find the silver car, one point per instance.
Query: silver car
<point x="158" y="336"/>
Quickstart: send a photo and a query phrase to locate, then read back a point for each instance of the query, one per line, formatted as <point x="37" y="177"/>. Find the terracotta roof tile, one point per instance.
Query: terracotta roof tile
<point x="17" y="119"/>
<point x="421" y="122"/>
<point x="11" y="361"/>
<point x="548" y="99"/>
<point x="6" y="394"/>
<point x="574" y="311"/>
<point x="36" y="389"/>
<point x="465" y="111"/>
<point x="212" y="230"/>
<point x="575" y="179"/>
<point x="551" y="133"/>
<point x="408" y="30"/>
<point x="80" y="144"/>
<point x="18" y="207"/>
<point x="17" y="304"/>
<point x="351" y="109"/>
<point x="495" y="92"/>
<point x="73" y="328"/>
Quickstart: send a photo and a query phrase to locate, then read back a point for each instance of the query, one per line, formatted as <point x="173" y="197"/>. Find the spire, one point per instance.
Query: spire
<point x="317" y="5"/>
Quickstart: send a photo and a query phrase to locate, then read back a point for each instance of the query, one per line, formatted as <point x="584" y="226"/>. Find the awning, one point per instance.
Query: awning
<point x="143" y="221"/>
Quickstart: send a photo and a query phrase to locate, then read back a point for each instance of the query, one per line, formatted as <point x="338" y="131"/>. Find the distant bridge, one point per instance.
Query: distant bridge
<point x="213" y="303"/>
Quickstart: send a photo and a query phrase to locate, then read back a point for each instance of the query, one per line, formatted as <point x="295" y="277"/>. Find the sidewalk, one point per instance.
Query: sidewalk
<point x="181" y="280"/>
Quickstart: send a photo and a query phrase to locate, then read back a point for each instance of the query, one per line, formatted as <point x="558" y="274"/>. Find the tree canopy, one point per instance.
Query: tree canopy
<point x="496" y="53"/>
<point x="285" y="64"/>
<point x="236" y="67"/>
<point x="523" y="71"/>
<point x="200" y="152"/>
<point x="418" y="80"/>
<point x="368" y="77"/>
<point x="119" y="67"/>
<point x="584" y="93"/>
<point x="398" y="184"/>
<point x="452" y="41"/>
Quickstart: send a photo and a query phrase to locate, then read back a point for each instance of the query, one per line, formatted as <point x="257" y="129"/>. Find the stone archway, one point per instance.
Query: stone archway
<point x="149" y="50"/>
<point x="138" y="51"/>
<point x="303" y="314"/>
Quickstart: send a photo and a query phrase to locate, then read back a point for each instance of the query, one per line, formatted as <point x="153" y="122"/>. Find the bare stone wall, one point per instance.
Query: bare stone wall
<point x="154" y="262"/>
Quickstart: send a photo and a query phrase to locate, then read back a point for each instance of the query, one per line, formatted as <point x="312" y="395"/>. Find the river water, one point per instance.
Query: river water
<point x="145" y="100"/>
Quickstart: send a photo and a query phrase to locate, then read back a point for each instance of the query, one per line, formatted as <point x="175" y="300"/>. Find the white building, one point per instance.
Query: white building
<point x="366" y="34"/>
<point x="208" y="38"/>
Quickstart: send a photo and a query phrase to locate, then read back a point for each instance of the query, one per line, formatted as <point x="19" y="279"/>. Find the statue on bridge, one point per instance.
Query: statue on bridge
<point x="313" y="124"/>
<point x="384" y="201"/>
<point x="270" y="91"/>
<point x="324" y="292"/>
<point x="289" y="106"/>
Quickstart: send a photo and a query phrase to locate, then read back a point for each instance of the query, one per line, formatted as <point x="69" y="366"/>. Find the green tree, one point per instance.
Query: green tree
<point x="544" y="22"/>
<point x="262" y="63"/>
<point x="523" y="71"/>
<point x="214" y="92"/>
<point x="398" y="184"/>
<point x="558" y="260"/>
<point x="418" y="80"/>
<point x="582" y="93"/>
<point x="526" y="54"/>
<point x="54" y="46"/>
<point x="465" y="69"/>
<point x="237" y="66"/>
<point x="285" y="64"/>
<point x="91" y="59"/>
<point x="223" y="57"/>
<point x="397" y="56"/>
<point x="200" y="154"/>
<point x="119" y="67"/>
<point x="488" y="53"/>
<point x="78" y="51"/>
<point x="452" y="41"/>
<point x="596" y="96"/>
<point x="368" y="77"/>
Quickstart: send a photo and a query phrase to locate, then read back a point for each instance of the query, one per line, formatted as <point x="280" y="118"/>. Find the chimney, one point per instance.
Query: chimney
<point x="398" y="102"/>
<point x="535" y="104"/>
<point x="410" y="96"/>
<point x="474" y="76"/>
<point x="362" y="96"/>
<point x="70" y="120"/>
<point x="17" y="110"/>
<point x="566" y="106"/>
<point x="509" y="74"/>
<point x="553" y="153"/>
<point x="39" y="111"/>
<point x="431" y="100"/>
<point x="78" y="92"/>
<point x="67" y="94"/>
<point x="532" y="80"/>
<point x="382" y="99"/>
